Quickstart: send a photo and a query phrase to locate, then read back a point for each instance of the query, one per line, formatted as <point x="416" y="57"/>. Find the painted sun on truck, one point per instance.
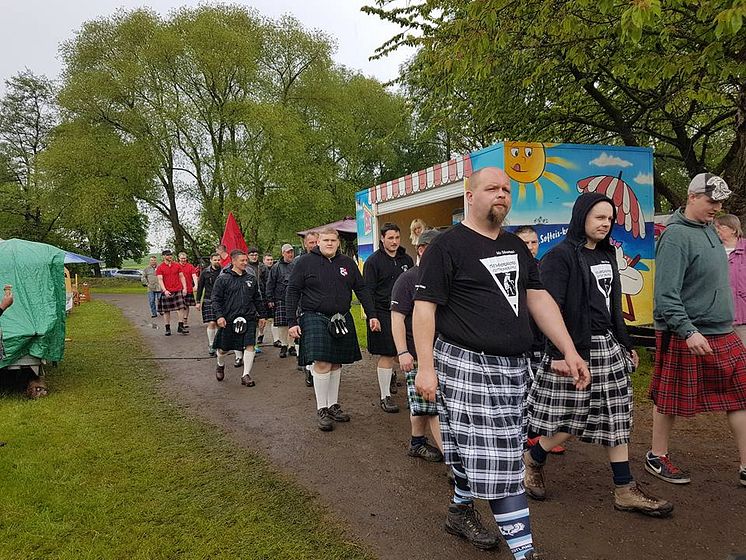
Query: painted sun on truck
<point x="546" y="180"/>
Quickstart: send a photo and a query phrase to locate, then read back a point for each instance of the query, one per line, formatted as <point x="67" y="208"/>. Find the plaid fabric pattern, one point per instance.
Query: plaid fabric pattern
<point x="189" y="299"/>
<point x="600" y="414"/>
<point x="685" y="385"/>
<point x="417" y="405"/>
<point x="381" y="343"/>
<point x="226" y="339"/>
<point x="281" y="316"/>
<point x="174" y="302"/>
<point x="480" y="405"/>
<point x="208" y="313"/>
<point x="316" y="344"/>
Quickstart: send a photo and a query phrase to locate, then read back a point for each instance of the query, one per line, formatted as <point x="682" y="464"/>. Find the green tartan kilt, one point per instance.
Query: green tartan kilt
<point x="317" y="345"/>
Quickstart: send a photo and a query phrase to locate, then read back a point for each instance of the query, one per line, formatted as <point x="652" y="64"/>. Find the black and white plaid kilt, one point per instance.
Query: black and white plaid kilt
<point x="601" y="413"/>
<point x="208" y="313"/>
<point x="226" y="339"/>
<point x="189" y="299"/>
<point x="381" y="343"/>
<point x="316" y="344"/>
<point x="174" y="302"/>
<point x="281" y="316"/>
<point x="418" y="406"/>
<point x="482" y="420"/>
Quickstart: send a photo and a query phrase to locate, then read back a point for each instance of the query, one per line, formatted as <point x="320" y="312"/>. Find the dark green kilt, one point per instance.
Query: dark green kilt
<point x="316" y="344"/>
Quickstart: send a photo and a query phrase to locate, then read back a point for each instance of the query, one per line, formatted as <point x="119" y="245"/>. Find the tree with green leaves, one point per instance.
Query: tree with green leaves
<point x="667" y="74"/>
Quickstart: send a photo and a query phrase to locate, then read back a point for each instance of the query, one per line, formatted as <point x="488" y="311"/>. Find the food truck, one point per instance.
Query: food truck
<point x="546" y="180"/>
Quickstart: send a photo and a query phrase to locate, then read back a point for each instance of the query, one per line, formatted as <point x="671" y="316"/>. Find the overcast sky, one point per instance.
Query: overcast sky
<point x="31" y="30"/>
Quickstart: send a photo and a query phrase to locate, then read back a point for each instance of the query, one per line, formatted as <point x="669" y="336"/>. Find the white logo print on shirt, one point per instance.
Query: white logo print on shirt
<point x="603" y="275"/>
<point x="504" y="270"/>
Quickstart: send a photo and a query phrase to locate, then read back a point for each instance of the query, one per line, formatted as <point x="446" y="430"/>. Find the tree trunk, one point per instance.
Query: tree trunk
<point x="734" y="163"/>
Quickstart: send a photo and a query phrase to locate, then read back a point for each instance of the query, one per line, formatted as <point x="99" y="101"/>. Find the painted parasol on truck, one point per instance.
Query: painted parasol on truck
<point x="629" y="211"/>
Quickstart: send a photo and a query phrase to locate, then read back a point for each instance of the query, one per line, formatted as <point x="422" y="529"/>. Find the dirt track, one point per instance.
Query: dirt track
<point x="397" y="504"/>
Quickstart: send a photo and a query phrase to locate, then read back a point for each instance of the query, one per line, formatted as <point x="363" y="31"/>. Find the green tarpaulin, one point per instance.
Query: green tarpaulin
<point x="35" y="324"/>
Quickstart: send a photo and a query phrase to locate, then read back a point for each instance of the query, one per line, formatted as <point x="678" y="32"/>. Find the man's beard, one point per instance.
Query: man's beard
<point x="496" y="215"/>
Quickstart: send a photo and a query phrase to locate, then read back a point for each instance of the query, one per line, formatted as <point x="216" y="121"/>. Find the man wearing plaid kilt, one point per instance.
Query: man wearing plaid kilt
<point x="277" y="286"/>
<point x="204" y="289"/>
<point x="322" y="283"/>
<point x="422" y="414"/>
<point x="700" y="362"/>
<point x="173" y="290"/>
<point x="582" y="276"/>
<point x="477" y="285"/>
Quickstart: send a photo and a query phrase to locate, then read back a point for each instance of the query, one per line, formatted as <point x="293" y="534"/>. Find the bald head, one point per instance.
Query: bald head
<point x="488" y="197"/>
<point x="486" y="175"/>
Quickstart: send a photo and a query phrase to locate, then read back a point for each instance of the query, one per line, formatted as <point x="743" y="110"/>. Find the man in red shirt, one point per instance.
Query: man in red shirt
<point x="191" y="276"/>
<point x="173" y="290"/>
<point x="225" y="258"/>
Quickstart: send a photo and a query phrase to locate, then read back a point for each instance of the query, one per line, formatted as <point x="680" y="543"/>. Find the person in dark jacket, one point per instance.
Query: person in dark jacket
<point x="204" y="289"/>
<point x="581" y="275"/>
<point x="380" y="272"/>
<point x="322" y="283"/>
<point x="237" y="303"/>
<point x="264" y="268"/>
<point x="276" y="291"/>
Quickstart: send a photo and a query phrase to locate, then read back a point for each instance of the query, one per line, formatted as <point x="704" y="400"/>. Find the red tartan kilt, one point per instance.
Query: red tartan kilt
<point x="685" y="385"/>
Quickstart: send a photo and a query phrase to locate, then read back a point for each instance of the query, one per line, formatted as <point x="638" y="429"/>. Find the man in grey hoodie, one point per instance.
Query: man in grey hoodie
<point x="700" y="362"/>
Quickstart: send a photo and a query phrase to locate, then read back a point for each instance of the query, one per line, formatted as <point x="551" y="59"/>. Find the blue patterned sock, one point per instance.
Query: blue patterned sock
<point x="462" y="490"/>
<point x="621" y="472"/>
<point x="511" y="515"/>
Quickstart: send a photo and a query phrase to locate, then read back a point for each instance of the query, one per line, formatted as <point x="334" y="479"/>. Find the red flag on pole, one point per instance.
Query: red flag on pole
<point x="232" y="236"/>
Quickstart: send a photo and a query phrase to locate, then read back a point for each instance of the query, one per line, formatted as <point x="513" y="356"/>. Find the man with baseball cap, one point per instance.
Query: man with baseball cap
<point x="700" y="362"/>
<point x="277" y="287"/>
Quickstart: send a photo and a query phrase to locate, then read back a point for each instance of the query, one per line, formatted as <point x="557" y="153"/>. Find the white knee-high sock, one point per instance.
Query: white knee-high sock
<point x="275" y="333"/>
<point x="248" y="360"/>
<point x="333" y="394"/>
<point x="384" y="381"/>
<point x="283" y="332"/>
<point x="221" y="358"/>
<point x="321" y="383"/>
<point x="211" y="332"/>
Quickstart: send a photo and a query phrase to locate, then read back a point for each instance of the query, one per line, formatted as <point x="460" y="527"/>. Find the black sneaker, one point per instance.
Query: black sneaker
<point x="211" y="351"/>
<point x="284" y="352"/>
<point x="238" y="362"/>
<point x="292" y="352"/>
<point x="463" y="521"/>
<point x="393" y="387"/>
<point x="277" y="344"/>
<point x="168" y="330"/>
<point x="325" y="420"/>
<point x="662" y="467"/>
<point x="260" y="339"/>
<point x="220" y="372"/>
<point x="425" y="451"/>
<point x="388" y="405"/>
<point x="742" y="476"/>
<point x="337" y="414"/>
<point x="309" y="378"/>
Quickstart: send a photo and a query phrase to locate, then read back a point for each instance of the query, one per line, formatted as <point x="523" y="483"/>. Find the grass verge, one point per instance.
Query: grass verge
<point x="113" y="286"/>
<point x="105" y="467"/>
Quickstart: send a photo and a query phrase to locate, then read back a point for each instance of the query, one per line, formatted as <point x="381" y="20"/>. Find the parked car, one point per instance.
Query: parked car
<point x="129" y="273"/>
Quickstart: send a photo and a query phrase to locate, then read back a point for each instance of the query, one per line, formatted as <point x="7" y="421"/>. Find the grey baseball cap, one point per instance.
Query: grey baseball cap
<point x="287" y="247"/>
<point x="427" y="237"/>
<point x="713" y="186"/>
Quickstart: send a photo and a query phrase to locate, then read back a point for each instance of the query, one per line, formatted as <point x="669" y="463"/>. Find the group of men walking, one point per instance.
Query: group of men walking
<point x="494" y="344"/>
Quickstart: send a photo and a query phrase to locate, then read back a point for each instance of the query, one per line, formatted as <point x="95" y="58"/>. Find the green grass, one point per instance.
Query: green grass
<point x="641" y="377"/>
<point x="360" y="326"/>
<point x="107" y="467"/>
<point x="107" y="285"/>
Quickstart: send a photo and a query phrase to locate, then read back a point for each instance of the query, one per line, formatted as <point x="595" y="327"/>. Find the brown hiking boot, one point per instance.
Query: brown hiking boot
<point x="463" y="521"/>
<point x="630" y="497"/>
<point x="220" y="372"/>
<point x="533" y="478"/>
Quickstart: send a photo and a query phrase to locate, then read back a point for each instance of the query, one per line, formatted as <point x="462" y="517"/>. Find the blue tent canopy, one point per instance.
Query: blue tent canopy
<point x="74" y="258"/>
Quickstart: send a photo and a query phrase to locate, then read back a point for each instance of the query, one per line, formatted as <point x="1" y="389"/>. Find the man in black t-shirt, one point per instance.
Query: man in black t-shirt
<point x="380" y="272"/>
<point x="478" y="284"/>
<point x="581" y="274"/>
<point x="422" y="413"/>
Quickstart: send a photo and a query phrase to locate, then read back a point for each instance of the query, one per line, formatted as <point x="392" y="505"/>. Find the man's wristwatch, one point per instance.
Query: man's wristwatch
<point x="689" y="334"/>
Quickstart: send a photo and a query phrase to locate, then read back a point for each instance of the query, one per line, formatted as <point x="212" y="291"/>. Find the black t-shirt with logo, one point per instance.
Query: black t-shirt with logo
<point x="601" y="276"/>
<point x="402" y="301"/>
<point x="480" y="287"/>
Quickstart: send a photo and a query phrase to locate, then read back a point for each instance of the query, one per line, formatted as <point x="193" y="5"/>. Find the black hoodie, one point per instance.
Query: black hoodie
<point x="237" y="295"/>
<point x="566" y="276"/>
<point x="325" y="285"/>
<point x="381" y="271"/>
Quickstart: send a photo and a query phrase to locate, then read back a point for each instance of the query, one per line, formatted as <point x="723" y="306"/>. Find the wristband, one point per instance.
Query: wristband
<point x="402" y="353"/>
